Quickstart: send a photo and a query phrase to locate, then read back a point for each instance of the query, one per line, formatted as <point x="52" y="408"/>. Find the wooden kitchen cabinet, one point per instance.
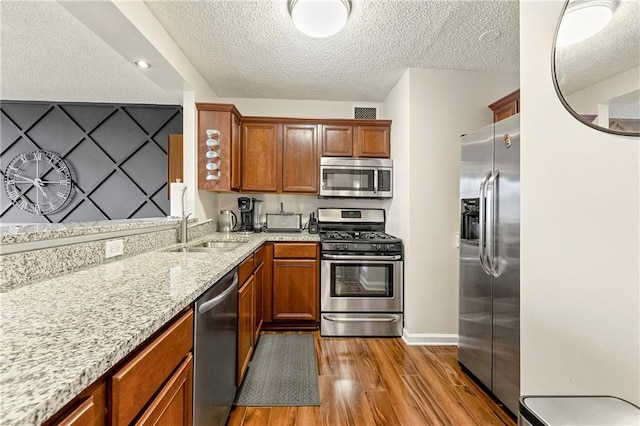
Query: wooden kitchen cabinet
<point x="506" y="106"/>
<point x="373" y="141"/>
<point x="246" y="304"/>
<point x="359" y="140"/>
<point x="295" y="282"/>
<point x="300" y="158"/>
<point x="261" y="157"/>
<point x="226" y="119"/>
<point x="173" y="404"/>
<point x="137" y="382"/>
<point x="337" y="140"/>
<point x="87" y="409"/>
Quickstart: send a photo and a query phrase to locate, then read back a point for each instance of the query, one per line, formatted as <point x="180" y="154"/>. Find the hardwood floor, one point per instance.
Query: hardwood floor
<point x="382" y="381"/>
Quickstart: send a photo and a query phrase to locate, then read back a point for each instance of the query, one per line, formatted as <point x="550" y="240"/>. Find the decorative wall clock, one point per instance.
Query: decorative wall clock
<point x="38" y="182"/>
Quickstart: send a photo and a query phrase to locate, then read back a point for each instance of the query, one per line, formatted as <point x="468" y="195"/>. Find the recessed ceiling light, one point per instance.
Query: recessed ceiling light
<point x="142" y="64"/>
<point x="490" y="35"/>
<point x="319" y="18"/>
<point x="584" y="18"/>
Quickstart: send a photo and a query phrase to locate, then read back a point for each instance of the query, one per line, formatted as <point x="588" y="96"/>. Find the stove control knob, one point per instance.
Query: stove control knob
<point x="388" y="247"/>
<point x="378" y="246"/>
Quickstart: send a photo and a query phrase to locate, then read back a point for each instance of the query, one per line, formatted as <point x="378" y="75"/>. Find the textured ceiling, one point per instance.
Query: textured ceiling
<point x="47" y="54"/>
<point x="251" y="49"/>
<point x="613" y="50"/>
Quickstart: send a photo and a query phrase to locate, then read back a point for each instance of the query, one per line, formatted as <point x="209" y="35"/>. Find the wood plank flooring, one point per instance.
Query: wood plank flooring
<point x="382" y="381"/>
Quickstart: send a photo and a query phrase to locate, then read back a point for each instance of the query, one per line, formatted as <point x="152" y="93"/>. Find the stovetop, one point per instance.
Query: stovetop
<point x="366" y="236"/>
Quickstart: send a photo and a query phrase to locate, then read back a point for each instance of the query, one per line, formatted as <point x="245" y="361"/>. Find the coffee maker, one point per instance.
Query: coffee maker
<point x="245" y="205"/>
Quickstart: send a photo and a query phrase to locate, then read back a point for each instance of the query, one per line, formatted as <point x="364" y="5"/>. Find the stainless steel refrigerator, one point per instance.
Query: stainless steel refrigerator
<point x="489" y="323"/>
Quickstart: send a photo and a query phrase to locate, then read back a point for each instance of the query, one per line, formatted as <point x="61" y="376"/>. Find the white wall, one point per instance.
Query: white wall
<point x="580" y="231"/>
<point x="441" y="105"/>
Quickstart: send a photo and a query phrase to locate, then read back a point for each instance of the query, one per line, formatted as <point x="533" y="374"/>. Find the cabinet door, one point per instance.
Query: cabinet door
<point x="261" y="160"/>
<point x="295" y="289"/>
<point x="174" y="161"/>
<point x="236" y="141"/>
<point x="506" y="106"/>
<point x="300" y="158"/>
<point x="373" y="141"/>
<point x="90" y="409"/>
<point x="258" y="293"/>
<point x="218" y="120"/>
<point x="337" y="141"/>
<point x="505" y="111"/>
<point x="245" y="326"/>
<point x="173" y="404"/>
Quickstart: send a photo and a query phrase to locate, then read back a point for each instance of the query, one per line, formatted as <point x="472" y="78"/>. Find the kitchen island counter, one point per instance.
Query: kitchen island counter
<point x="60" y="335"/>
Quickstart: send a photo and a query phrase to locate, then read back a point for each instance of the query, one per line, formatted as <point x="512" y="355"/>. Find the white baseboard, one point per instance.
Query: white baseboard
<point x="426" y="339"/>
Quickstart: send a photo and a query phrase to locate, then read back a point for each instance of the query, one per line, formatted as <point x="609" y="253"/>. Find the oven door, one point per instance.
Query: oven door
<point x="357" y="283"/>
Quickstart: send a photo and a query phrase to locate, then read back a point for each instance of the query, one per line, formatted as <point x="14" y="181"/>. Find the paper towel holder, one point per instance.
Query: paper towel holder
<point x="212" y="155"/>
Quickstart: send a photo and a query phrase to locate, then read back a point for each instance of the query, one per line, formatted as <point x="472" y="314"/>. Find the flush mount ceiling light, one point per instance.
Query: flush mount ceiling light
<point x="584" y="18"/>
<point x="319" y="18"/>
<point x="142" y="64"/>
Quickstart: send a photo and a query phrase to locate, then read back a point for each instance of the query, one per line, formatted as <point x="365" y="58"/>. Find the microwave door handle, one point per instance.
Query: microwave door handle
<point x="375" y="181"/>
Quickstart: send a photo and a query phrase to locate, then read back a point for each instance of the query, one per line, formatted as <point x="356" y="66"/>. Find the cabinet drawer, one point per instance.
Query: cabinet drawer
<point x="245" y="269"/>
<point x="294" y="250"/>
<point x="135" y="383"/>
<point x="258" y="256"/>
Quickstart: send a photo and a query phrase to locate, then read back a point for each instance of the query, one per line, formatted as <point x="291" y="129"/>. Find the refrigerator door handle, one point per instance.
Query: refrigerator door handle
<point x="482" y="219"/>
<point x="490" y="237"/>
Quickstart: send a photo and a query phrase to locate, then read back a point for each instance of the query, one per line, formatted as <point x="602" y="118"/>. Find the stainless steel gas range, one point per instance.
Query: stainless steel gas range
<point x="361" y="274"/>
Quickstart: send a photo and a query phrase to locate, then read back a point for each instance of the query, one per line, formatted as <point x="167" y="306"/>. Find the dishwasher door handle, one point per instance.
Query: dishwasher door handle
<point x="210" y="304"/>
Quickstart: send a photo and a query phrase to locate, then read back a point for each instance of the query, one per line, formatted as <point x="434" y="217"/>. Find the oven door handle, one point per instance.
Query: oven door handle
<point x="369" y="258"/>
<point x="360" y="319"/>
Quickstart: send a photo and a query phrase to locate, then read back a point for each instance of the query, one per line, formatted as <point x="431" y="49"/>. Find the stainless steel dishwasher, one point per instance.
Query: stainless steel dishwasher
<point x="215" y="349"/>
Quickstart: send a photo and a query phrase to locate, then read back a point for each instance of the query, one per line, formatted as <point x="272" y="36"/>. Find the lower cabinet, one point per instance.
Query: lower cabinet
<point x="88" y="408"/>
<point x="154" y="385"/>
<point x="295" y="282"/>
<point x="245" y="326"/>
<point x="173" y="405"/>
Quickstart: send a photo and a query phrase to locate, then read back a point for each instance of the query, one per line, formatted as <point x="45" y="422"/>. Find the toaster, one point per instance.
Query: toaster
<point x="284" y="222"/>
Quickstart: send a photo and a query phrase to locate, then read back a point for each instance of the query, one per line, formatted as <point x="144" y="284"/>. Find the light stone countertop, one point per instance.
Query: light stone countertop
<point x="19" y="233"/>
<point x="59" y="335"/>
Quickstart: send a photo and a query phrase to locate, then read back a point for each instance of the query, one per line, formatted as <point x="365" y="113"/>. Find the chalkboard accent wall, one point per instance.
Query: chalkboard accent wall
<point x="117" y="153"/>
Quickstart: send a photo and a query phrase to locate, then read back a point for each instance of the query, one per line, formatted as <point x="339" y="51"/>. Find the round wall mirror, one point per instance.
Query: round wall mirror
<point x="596" y="63"/>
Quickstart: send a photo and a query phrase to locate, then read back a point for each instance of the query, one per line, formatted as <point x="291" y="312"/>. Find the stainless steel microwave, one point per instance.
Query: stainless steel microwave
<point x="356" y="177"/>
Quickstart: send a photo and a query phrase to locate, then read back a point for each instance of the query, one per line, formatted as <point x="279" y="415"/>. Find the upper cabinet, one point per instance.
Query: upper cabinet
<point x="337" y="140"/>
<point x="373" y="141"/>
<point x="506" y="107"/>
<point x="281" y="155"/>
<point x="362" y="140"/>
<point x="261" y="160"/>
<point x="300" y="158"/>
<point x="226" y="119"/>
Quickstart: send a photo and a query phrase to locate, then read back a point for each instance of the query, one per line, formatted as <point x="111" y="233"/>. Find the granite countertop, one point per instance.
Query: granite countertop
<point x="59" y="335"/>
<point x="26" y="232"/>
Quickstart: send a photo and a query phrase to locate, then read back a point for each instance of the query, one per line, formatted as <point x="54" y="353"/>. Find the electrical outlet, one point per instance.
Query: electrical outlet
<point x="113" y="248"/>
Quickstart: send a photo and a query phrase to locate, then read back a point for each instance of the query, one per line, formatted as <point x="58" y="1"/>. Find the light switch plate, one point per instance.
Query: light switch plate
<point x="113" y="248"/>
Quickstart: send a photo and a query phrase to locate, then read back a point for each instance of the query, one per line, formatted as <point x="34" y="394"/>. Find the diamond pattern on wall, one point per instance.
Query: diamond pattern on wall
<point x="118" y="154"/>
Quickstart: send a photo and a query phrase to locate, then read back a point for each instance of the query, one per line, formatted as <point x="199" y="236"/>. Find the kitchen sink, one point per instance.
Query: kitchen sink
<point x="230" y="245"/>
<point x="210" y="247"/>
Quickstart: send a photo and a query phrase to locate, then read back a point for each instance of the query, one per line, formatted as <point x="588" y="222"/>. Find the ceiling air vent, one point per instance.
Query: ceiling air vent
<point x="365" y="113"/>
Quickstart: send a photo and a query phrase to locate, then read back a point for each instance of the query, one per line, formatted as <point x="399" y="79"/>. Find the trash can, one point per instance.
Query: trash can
<point x="577" y="410"/>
